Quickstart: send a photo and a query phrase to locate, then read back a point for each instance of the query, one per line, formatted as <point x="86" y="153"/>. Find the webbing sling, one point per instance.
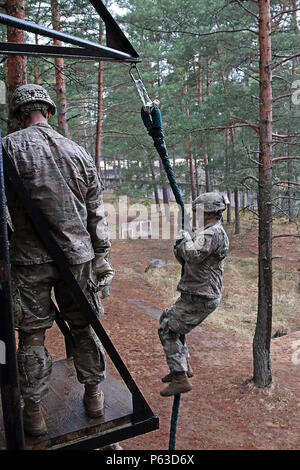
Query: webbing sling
<point x="141" y="409"/>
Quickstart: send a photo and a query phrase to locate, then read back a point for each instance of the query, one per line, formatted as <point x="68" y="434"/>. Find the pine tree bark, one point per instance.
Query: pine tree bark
<point x="206" y="158"/>
<point x="197" y="184"/>
<point x="199" y="82"/>
<point x="207" y="174"/>
<point x="161" y="168"/>
<point x="189" y="148"/>
<point x="16" y="65"/>
<point x="262" y="338"/>
<point x="105" y="169"/>
<point x="227" y="166"/>
<point x="35" y="68"/>
<point x="237" y="212"/>
<point x="198" y="77"/>
<point x="293" y="112"/>
<point x="86" y="145"/>
<point x="99" y="108"/>
<point x="208" y="79"/>
<point x="229" y="207"/>
<point x="60" y="75"/>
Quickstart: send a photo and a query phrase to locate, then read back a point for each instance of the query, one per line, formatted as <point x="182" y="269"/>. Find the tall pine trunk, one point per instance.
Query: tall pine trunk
<point x="86" y="145"/>
<point x="16" y="65"/>
<point x="229" y="207"/>
<point x="207" y="173"/>
<point x="208" y="78"/>
<point x="293" y="112"/>
<point x="59" y="75"/>
<point x="189" y="146"/>
<point x="35" y="67"/>
<point x="227" y="166"/>
<point x="164" y="183"/>
<point x="237" y="221"/>
<point x="262" y="338"/>
<point x="99" y="108"/>
<point x="197" y="184"/>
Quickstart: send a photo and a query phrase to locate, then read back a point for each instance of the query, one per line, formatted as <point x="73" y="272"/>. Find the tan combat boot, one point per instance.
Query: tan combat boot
<point x="168" y="378"/>
<point x="93" y="400"/>
<point x="179" y="384"/>
<point x="33" y="420"/>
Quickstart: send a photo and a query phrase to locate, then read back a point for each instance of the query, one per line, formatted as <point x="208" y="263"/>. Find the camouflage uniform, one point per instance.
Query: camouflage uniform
<point x="62" y="180"/>
<point x="202" y="256"/>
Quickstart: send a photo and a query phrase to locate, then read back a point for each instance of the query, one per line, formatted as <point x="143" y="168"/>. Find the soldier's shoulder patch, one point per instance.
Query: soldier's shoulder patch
<point x="203" y="241"/>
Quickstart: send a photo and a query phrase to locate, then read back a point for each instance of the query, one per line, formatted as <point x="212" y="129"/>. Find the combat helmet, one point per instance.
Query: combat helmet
<point x="30" y="94"/>
<point x="212" y="202"/>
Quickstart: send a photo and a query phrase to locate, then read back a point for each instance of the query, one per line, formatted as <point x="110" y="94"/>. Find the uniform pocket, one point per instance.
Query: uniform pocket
<point x="94" y="298"/>
<point x="34" y="365"/>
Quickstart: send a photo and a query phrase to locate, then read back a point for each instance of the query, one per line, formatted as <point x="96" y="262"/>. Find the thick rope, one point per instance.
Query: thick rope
<point x="154" y="126"/>
<point x="174" y="419"/>
<point x="175" y="413"/>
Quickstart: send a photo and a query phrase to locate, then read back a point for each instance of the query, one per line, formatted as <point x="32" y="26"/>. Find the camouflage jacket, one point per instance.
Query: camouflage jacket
<point x="202" y="256"/>
<point x="63" y="182"/>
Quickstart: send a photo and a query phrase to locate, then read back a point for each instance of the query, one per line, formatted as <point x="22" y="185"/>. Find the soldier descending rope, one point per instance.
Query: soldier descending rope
<point x="202" y="254"/>
<point x="63" y="182"/>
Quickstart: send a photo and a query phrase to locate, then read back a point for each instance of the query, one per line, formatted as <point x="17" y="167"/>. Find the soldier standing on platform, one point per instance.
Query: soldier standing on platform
<point x="63" y="182"/>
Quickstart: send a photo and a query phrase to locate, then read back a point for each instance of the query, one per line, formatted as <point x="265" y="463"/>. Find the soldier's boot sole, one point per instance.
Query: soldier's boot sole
<point x="179" y="384"/>
<point x="33" y="420"/>
<point x="94" y="402"/>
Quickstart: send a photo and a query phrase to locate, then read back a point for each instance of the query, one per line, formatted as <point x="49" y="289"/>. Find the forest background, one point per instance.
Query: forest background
<point x="211" y="66"/>
<point x="201" y="60"/>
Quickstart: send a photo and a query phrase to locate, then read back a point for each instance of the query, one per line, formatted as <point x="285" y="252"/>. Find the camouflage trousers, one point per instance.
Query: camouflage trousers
<point x="185" y="314"/>
<point x="32" y="288"/>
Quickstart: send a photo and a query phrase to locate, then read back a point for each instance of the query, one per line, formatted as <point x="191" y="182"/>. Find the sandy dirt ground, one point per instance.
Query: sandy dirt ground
<point x="224" y="410"/>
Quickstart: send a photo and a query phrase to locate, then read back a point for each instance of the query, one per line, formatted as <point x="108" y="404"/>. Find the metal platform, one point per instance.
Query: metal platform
<point x="68" y="425"/>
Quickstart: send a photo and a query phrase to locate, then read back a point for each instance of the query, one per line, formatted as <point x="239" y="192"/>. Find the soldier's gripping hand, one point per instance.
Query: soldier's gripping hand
<point x="103" y="270"/>
<point x="182" y="235"/>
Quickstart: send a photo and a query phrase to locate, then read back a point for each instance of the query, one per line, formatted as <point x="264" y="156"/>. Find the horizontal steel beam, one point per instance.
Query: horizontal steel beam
<point x="12" y="48"/>
<point x="51" y="33"/>
<point x="115" y="37"/>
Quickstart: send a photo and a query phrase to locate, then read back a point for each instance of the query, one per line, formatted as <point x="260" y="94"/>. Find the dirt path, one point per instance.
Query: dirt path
<point x="224" y="410"/>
